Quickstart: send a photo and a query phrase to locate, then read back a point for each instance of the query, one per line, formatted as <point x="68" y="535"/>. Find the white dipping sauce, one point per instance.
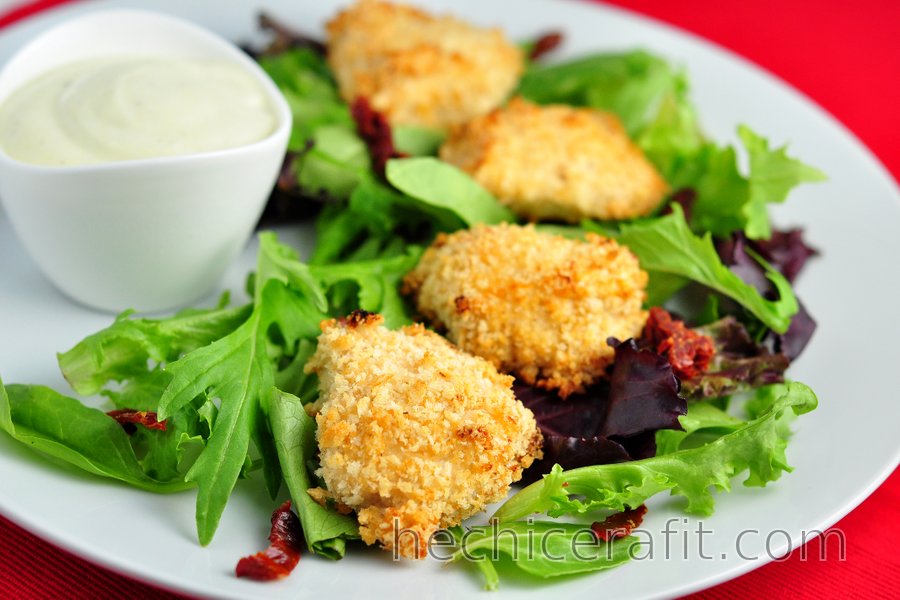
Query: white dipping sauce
<point x="114" y="109"/>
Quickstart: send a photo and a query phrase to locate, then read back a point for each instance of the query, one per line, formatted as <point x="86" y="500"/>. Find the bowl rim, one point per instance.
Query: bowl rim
<point x="232" y="53"/>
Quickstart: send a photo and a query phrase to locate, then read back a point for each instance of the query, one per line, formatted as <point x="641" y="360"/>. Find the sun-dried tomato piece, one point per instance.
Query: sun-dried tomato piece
<point x="128" y="418"/>
<point x="374" y="129"/>
<point x="545" y="44"/>
<point x="688" y="352"/>
<point x="620" y="524"/>
<point x="283" y="553"/>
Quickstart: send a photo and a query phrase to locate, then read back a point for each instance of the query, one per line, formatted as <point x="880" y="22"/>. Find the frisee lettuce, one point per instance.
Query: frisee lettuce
<point x="757" y="447"/>
<point x="704" y="421"/>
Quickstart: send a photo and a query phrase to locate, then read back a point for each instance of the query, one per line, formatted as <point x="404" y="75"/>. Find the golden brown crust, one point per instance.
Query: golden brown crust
<point x="418" y="69"/>
<point x="414" y="430"/>
<point x="534" y="304"/>
<point x="556" y="162"/>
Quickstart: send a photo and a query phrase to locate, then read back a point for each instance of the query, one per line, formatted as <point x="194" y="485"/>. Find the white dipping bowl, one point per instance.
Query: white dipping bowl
<point x="149" y="234"/>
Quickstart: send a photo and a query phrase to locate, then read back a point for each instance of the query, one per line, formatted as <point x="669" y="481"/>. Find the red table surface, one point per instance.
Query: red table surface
<point x="843" y="54"/>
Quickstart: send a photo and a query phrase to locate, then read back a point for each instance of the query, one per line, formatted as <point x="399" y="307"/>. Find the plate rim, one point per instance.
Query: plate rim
<point x="111" y="562"/>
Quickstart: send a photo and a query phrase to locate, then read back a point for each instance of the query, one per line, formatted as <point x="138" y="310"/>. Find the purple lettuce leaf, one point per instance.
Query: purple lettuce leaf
<point x="643" y="393"/>
<point x="739" y="363"/>
<point x="788" y="253"/>
<point x="610" y="422"/>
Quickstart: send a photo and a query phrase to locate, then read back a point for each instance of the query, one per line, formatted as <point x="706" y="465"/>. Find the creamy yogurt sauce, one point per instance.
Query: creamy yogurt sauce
<point x="127" y="108"/>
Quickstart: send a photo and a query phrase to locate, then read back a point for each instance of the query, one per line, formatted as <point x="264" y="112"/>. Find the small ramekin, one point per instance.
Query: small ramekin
<point x="149" y="234"/>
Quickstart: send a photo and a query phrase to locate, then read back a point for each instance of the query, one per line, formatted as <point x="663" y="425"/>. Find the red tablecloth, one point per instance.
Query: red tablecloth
<point x="843" y="54"/>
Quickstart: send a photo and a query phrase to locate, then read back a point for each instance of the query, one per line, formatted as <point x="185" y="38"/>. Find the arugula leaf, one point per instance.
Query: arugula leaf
<point x="239" y="370"/>
<point x="728" y="201"/>
<point x="667" y="245"/>
<point x="122" y="350"/>
<point x="541" y="548"/>
<point x="757" y="447"/>
<point x="772" y="176"/>
<point x="376" y="223"/>
<point x="282" y="263"/>
<point x="325" y="530"/>
<point x="235" y="370"/>
<point x="378" y="283"/>
<point x="446" y="192"/>
<point x="721" y="191"/>
<point x="168" y="454"/>
<point x="65" y="429"/>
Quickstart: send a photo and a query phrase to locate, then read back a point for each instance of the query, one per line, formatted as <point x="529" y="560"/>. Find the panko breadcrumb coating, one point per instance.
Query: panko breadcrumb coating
<point x="414" y="431"/>
<point x="537" y="305"/>
<point x="418" y="69"/>
<point x="556" y="162"/>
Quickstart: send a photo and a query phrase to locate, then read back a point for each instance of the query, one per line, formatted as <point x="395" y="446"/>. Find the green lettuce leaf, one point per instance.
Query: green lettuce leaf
<point x="701" y="418"/>
<point x="69" y="431"/>
<point x="773" y="174"/>
<point x="209" y="372"/>
<point x="417" y="141"/>
<point x="239" y="370"/>
<point x="236" y="371"/>
<point x="331" y="157"/>
<point x="294" y="432"/>
<point x="377" y="222"/>
<point x="307" y="84"/>
<point x="728" y="201"/>
<point x="335" y="163"/>
<point x="378" y="284"/>
<point x="629" y="84"/>
<point x="757" y="447"/>
<point x="540" y="548"/>
<point x="122" y="350"/>
<point x="666" y="245"/>
<point x="446" y="192"/>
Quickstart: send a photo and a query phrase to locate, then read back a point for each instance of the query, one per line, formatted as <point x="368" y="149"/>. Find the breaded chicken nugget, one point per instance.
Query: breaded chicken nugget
<point x="556" y="162"/>
<point x="413" y="433"/>
<point x="537" y="305"/>
<point x="418" y="69"/>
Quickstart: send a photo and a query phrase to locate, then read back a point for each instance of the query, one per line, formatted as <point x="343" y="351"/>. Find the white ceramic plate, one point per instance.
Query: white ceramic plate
<point x="841" y="452"/>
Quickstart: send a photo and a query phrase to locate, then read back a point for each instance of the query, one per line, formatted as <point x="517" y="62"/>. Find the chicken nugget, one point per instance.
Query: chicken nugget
<point x="418" y="69"/>
<point x="413" y="433"/>
<point x="537" y="305"/>
<point x="556" y="162"/>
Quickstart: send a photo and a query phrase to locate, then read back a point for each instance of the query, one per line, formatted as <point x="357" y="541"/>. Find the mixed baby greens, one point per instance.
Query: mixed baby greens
<point x="229" y="381"/>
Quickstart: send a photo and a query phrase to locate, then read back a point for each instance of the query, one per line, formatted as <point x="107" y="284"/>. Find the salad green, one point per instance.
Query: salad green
<point x="757" y="446"/>
<point x="667" y="246"/>
<point x="229" y="381"/>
